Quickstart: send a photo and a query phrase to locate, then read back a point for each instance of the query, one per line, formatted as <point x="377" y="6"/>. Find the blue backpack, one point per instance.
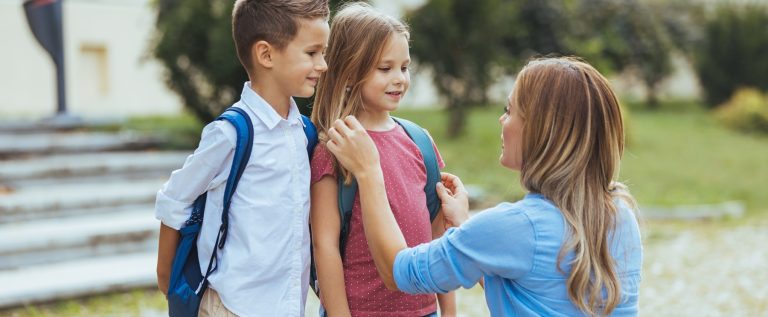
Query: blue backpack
<point x="347" y="192"/>
<point x="187" y="283"/>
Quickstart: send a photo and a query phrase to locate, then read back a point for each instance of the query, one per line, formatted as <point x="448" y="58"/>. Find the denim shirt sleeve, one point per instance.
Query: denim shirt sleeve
<point x="499" y="242"/>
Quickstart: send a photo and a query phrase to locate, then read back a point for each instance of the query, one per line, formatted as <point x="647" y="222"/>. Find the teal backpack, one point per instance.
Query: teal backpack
<point x="347" y="192"/>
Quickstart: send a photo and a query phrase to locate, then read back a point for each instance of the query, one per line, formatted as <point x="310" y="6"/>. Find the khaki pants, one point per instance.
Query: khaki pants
<point x="211" y="306"/>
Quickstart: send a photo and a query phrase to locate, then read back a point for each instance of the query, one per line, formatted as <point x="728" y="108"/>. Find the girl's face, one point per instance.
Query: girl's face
<point x="511" y="136"/>
<point x="385" y="86"/>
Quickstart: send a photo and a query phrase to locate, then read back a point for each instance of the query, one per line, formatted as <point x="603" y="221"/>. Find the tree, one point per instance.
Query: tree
<point x="623" y="36"/>
<point x="732" y="51"/>
<point x="458" y="40"/>
<point x="193" y="41"/>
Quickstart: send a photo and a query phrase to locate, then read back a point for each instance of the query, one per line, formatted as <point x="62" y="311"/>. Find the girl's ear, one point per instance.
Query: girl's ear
<point x="261" y="53"/>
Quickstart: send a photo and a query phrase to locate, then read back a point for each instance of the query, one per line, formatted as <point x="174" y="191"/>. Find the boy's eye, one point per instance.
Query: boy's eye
<point x="404" y="69"/>
<point x="506" y="109"/>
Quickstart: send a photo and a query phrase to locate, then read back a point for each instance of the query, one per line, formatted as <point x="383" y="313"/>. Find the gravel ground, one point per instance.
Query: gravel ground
<point x="702" y="269"/>
<point x="690" y="269"/>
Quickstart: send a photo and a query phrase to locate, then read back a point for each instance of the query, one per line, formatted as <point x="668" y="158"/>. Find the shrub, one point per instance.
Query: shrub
<point x="732" y="51"/>
<point x="746" y="111"/>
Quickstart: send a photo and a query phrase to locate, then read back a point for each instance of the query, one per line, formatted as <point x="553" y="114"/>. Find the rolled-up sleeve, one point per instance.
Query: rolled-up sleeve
<point x="204" y="169"/>
<point x="500" y="242"/>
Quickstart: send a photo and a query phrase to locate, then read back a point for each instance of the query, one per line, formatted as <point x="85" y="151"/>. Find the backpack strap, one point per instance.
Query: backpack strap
<point x="424" y="142"/>
<point x="242" y="123"/>
<point x="347" y="193"/>
<point x="311" y="132"/>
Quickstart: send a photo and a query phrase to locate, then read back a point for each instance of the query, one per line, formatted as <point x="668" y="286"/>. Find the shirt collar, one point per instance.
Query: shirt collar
<point x="264" y="111"/>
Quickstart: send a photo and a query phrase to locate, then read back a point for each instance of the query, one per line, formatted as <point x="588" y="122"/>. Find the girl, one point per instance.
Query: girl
<point x="571" y="247"/>
<point x="368" y="75"/>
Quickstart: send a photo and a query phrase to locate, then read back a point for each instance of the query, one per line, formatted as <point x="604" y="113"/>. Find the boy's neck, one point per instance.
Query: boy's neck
<point x="278" y="101"/>
<point x="376" y="120"/>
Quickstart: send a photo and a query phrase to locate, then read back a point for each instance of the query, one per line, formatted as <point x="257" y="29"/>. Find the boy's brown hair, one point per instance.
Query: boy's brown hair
<point x="273" y="21"/>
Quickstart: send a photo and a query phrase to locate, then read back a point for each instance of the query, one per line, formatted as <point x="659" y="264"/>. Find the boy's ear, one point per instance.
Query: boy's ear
<point x="261" y="52"/>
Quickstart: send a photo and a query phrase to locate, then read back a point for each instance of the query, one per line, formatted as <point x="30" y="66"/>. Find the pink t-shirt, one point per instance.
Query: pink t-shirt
<point x="404" y="178"/>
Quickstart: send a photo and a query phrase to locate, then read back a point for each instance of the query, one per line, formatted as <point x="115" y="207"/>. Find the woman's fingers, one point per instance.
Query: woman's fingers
<point x="342" y="128"/>
<point x="453" y="183"/>
<point x="352" y="122"/>
<point x="443" y="193"/>
<point x="334" y="136"/>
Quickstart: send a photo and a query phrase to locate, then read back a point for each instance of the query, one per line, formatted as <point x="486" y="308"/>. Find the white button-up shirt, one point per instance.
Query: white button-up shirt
<point x="263" y="269"/>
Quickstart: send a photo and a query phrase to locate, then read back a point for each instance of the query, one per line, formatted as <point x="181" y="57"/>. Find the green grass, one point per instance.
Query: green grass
<point x="134" y="303"/>
<point x="678" y="155"/>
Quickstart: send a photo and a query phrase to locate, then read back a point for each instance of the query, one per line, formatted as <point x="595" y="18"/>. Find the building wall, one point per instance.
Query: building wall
<point x="109" y="72"/>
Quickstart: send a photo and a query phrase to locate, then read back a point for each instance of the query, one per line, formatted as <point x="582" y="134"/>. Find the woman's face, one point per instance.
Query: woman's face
<point x="511" y="136"/>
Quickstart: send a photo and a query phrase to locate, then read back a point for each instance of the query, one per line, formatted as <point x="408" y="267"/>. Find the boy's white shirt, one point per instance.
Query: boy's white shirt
<point x="263" y="269"/>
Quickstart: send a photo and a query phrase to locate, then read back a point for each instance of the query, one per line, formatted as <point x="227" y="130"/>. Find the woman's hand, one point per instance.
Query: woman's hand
<point x="454" y="198"/>
<point x="353" y="147"/>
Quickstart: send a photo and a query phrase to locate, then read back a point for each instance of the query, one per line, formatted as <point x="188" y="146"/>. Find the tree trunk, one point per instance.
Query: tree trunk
<point x="652" y="98"/>
<point x="456" y="118"/>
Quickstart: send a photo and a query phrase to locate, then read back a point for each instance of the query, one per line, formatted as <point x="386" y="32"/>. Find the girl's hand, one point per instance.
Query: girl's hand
<point x="454" y="198"/>
<point x="353" y="147"/>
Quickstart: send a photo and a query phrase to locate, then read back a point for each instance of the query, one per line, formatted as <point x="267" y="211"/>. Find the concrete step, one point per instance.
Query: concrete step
<point x="55" y="240"/>
<point x="14" y="144"/>
<point x="55" y="167"/>
<point x="43" y="283"/>
<point x="46" y="201"/>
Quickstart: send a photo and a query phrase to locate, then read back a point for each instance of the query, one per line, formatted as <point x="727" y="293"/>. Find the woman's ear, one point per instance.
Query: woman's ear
<point x="261" y="54"/>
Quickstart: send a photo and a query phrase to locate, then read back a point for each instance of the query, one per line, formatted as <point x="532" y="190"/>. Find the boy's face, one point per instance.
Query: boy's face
<point x="298" y="66"/>
<point x="386" y="85"/>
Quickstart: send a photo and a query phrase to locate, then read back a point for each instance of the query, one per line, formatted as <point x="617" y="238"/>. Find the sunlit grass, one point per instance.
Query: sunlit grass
<point x="677" y="155"/>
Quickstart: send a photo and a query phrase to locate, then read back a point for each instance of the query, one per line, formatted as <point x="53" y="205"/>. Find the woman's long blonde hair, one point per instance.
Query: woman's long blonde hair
<point x="358" y="36"/>
<point x="573" y="140"/>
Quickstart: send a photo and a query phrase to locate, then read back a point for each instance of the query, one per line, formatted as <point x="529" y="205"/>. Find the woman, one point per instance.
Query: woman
<point x="570" y="247"/>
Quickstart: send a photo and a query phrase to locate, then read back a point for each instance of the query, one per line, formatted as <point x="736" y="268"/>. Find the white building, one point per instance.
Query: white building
<point x="110" y="72"/>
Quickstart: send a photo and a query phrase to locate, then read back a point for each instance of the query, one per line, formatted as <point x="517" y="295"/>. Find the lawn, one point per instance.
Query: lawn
<point x="678" y="155"/>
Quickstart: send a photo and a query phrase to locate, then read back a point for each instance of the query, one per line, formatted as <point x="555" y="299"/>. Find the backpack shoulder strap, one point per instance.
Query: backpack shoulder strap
<point x="242" y="123"/>
<point x="311" y="132"/>
<point x="347" y="193"/>
<point x="346" y="197"/>
<point x="244" y="128"/>
<point x="424" y="142"/>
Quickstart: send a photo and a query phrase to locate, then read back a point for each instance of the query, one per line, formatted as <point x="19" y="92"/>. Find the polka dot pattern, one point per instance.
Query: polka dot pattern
<point x="404" y="179"/>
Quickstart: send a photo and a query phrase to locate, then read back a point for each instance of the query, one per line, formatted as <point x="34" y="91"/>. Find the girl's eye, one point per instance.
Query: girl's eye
<point x="384" y="69"/>
<point x="506" y="109"/>
<point x="312" y="53"/>
<point x="404" y="69"/>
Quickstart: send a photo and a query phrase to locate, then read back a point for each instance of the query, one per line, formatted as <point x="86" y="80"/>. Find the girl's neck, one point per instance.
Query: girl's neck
<point x="376" y="120"/>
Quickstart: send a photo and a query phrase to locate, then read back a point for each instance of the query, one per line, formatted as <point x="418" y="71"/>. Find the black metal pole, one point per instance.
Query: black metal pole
<point x="45" y="21"/>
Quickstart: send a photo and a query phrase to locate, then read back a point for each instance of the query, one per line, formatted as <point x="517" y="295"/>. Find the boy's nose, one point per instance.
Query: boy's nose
<point x="322" y="66"/>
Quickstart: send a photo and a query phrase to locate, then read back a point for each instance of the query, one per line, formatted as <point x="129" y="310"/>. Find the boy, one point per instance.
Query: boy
<point x="264" y="267"/>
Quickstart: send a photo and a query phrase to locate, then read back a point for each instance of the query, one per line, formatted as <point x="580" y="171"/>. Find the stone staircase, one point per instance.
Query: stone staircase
<point x="76" y="212"/>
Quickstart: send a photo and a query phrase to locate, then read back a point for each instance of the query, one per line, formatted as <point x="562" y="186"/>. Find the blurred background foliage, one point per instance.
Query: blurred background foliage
<point x="468" y="45"/>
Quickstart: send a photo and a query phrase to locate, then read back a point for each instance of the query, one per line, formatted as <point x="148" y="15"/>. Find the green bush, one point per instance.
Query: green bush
<point x="732" y="51"/>
<point x="746" y="111"/>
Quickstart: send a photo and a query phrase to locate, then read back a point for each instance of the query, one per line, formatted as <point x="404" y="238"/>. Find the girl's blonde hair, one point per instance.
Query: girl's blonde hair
<point x="573" y="140"/>
<point x="358" y="36"/>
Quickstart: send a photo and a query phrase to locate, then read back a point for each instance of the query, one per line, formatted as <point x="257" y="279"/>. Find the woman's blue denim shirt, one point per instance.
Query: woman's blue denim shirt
<point x="515" y="247"/>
